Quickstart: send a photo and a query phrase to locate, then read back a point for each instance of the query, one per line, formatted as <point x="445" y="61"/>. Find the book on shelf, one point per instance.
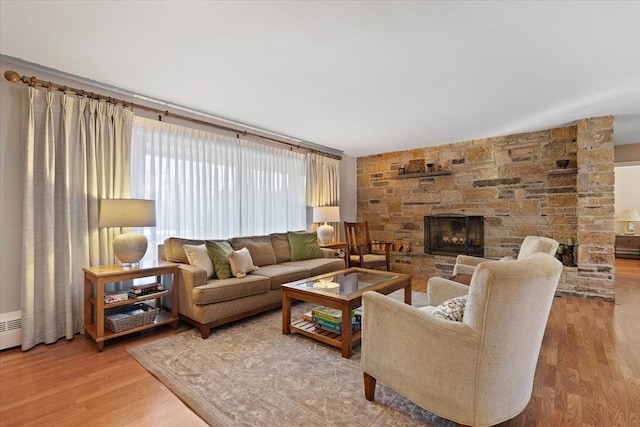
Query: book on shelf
<point x="328" y="313"/>
<point x="308" y="316"/>
<point x="115" y="296"/>
<point x="142" y="290"/>
<point x="335" y="327"/>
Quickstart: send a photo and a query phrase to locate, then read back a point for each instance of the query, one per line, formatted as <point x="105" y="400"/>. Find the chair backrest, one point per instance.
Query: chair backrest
<point x="508" y="306"/>
<point x="357" y="233"/>
<point x="533" y="244"/>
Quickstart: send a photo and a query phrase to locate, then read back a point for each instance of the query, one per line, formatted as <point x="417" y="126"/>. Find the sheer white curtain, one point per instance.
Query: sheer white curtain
<point x="75" y="152"/>
<point x="323" y="184"/>
<point x="211" y="186"/>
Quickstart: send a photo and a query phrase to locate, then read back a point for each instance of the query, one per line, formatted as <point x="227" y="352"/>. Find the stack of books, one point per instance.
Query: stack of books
<point x="330" y="319"/>
<point x="143" y="290"/>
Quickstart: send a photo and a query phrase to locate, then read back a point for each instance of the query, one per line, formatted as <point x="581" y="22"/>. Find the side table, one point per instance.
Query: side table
<point x="95" y="279"/>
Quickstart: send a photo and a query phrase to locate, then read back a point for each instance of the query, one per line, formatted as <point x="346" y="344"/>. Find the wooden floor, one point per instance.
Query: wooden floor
<point x="588" y="373"/>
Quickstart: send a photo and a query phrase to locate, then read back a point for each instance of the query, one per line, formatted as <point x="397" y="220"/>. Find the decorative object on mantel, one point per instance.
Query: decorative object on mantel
<point x="429" y="167"/>
<point x="401" y="171"/>
<point x="631" y="216"/>
<point x="562" y="164"/>
<point x="326" y="214"/>
<point x="415" y="166"/>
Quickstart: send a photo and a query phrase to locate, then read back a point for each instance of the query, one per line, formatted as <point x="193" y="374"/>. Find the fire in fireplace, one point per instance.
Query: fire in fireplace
<point x="454" y="235"/>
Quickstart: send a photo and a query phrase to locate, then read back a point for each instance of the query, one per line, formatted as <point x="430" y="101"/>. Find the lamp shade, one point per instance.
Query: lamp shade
<point x="630" y="216"/>
<point x="326" y="214"/>
<point x="127" y="213"/>
<point x="130" y="247"/>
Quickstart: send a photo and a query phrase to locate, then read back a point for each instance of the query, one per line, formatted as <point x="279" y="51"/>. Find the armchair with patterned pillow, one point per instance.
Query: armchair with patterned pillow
<point x="470" y="356"/>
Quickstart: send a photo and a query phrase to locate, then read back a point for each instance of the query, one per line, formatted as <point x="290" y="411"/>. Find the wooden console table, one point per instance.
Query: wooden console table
<point x="95" y="279"/>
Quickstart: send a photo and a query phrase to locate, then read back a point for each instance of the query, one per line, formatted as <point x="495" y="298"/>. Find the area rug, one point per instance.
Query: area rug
<point x="249" y="374"/>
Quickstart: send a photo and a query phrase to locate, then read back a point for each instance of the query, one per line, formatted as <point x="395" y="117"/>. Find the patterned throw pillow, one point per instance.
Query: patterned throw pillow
<point x="241" y="263"/>
<point x="452" y="309"/>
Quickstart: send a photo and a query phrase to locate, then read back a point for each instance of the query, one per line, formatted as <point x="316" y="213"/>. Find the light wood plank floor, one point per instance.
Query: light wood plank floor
<point x="588" y="373"/>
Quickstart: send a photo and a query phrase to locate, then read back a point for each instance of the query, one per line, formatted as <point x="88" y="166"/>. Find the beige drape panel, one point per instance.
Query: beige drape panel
<point x="75" y="152"/>
<point x="323" y="185"/>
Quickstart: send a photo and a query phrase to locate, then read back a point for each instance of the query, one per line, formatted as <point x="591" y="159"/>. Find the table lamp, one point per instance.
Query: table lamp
<point x="630" y="215"/>
<point x="326" y="214"/>
<point x="128" y="247"/>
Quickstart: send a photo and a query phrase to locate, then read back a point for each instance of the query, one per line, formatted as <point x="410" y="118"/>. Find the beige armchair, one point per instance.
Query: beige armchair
<point x="531" y="244"/>
<point x="478" y="371"/>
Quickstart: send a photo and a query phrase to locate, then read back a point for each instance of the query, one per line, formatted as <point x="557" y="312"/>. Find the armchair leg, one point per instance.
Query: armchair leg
<point x="369" y="386"/>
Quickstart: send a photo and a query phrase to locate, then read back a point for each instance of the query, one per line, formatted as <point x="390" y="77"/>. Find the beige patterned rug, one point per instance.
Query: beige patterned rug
<point x="249" y="373"/>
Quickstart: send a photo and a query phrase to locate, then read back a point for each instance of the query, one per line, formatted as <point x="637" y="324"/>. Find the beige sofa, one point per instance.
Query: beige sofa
<point x="207" y="302"/>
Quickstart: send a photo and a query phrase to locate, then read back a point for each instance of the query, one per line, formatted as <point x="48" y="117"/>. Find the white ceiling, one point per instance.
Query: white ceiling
<point x="363" y="77"/>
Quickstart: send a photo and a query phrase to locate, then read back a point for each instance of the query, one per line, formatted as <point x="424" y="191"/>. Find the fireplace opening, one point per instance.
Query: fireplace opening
<point x="454" y="235"/>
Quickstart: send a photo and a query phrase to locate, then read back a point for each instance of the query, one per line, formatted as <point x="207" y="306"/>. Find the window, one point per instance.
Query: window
<point x="209" y="186"/>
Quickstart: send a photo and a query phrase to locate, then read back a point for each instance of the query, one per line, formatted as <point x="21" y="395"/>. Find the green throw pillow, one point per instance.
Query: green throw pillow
<point x="219" y="251"/>
<point x="304" y="246"/>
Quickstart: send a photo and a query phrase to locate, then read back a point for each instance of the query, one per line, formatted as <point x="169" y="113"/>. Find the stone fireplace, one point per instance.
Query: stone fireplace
<point x="513" y="182"/>
<point x="454" y="235"/>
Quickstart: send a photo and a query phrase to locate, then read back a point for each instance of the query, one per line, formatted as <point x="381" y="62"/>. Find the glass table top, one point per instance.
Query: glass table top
<point x="345" y="283"/>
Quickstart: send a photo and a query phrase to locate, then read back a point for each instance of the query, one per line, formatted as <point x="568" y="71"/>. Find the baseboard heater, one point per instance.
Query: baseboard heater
<point x="10" y="329"/>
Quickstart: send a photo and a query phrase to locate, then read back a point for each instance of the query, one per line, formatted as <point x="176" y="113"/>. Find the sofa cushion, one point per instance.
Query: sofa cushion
<point x="229" y="289"/>
<point x="279" y="274"/>
<point x="241" y="263"/>
<point x="259" y="246"/>
<point x="304" y="246"/>
<point x="174" y="250"/>
<point x="317" y="266"/>
<point x="199" y="257"/>
<point x="280" y="243"/>
<point x="219" y="251"/>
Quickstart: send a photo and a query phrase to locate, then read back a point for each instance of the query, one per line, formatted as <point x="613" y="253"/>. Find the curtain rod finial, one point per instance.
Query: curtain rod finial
<point x="12" y="76"/>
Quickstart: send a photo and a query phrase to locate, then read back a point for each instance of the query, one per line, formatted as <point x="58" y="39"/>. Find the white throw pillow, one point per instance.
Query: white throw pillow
<point x="452" y="309"/>
<point x="199" y="256"/>
<point x="241" y="263"/>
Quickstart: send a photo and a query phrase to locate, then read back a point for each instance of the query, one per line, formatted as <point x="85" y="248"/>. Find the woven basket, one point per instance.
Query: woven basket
<point x="119" y="323"/>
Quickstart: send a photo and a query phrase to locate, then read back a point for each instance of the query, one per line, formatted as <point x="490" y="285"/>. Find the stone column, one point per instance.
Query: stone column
<point x="595" y="208"/>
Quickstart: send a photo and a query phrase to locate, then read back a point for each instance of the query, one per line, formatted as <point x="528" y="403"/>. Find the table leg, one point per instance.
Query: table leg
<point x="407" y="293"/>
<point x="346" y="332"/>
<point x="286" y="313"/>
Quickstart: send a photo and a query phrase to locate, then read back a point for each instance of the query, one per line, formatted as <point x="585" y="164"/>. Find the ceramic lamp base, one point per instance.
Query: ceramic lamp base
<point x="325" y="233"/>
<point x="630" y="229"/>
<point x="129" y="248"/>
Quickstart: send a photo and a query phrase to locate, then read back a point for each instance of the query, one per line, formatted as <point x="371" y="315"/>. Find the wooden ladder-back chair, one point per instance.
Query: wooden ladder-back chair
<point x="362" y="251"/>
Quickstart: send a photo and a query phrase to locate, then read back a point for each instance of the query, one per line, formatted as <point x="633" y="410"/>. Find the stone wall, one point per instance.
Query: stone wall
<point x="514" y="183"/>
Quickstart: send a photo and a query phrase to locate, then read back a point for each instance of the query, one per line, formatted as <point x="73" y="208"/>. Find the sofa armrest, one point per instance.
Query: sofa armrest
<point x="439" y="290"/>
<point x="189" y="277"/>
<point x="328" y="253"/>
<point x="466" y="264"/>
<point x="403" y="345"/>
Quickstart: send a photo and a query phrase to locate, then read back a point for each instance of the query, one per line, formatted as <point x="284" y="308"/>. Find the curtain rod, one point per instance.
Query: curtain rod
<point x="14" y="77"/>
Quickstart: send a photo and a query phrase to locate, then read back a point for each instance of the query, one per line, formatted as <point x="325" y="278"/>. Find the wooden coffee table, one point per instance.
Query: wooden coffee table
<point x="348" y="296"/>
